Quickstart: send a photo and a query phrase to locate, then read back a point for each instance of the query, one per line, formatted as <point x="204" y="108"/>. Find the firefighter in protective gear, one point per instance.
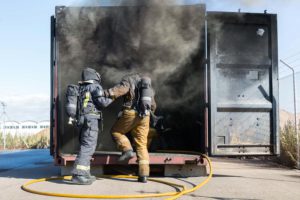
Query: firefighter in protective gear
<point x="90" y="102"/>
<point x="135" y="118"/>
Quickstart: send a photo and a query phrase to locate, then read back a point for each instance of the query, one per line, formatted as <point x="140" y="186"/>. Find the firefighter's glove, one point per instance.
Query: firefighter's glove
<point x="108" y="94"/>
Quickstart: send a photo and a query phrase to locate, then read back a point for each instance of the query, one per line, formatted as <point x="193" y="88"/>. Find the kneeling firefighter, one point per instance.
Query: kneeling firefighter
<point x="90" y="101"/>
<point x="135" y="118"/>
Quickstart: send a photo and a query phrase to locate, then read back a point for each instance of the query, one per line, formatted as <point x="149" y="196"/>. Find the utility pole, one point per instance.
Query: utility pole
<point x="295" y="113"/>
<point x="4" y="128"/>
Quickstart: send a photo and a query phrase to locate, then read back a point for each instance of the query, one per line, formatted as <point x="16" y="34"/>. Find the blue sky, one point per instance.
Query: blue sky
<point x="24" y="48"/>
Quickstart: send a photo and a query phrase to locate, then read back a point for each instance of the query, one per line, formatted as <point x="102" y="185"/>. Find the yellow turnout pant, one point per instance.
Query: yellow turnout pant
<point x="139" y="128"/>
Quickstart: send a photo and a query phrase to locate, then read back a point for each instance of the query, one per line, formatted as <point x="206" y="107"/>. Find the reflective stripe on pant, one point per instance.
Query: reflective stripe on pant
<point x="139" y="128"/>
<point x="88" y="142"/>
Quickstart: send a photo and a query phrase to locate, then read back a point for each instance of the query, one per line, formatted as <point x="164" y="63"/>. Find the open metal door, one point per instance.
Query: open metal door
<point x="242" y="84"/>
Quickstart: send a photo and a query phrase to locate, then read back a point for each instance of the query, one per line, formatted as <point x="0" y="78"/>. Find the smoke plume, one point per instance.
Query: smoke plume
<point x="152" y="37"/>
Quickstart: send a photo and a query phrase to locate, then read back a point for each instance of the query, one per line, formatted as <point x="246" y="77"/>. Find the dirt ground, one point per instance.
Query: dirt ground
<point x="233" y="179"/>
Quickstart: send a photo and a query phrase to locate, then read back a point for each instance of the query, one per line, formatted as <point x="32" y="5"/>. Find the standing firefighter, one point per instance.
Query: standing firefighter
<point x="88" y="113"/>
<point x="138" y="102"/>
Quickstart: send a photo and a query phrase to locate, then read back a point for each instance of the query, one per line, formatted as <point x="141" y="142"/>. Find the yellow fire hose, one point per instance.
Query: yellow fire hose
<point x="172" y="195"/>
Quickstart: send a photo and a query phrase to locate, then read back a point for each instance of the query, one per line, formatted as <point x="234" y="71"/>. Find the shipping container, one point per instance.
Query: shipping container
<point x="214" y="74"/>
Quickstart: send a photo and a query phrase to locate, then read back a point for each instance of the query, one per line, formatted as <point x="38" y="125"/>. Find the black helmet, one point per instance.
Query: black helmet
<point x="90" y="74"/>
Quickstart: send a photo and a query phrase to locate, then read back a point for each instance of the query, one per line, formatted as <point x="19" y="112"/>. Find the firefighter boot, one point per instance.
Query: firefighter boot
<point x="142" y="179"/>
<point x="126" y="155"/>
<point x="82" y="180"/>
<point x="93" y="178"/>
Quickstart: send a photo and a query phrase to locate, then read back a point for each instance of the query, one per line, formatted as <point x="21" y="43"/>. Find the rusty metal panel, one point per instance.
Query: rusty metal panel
<point x="243" y="84"/>
<point x="188" y="170"/>
<point x="111" y="158"/>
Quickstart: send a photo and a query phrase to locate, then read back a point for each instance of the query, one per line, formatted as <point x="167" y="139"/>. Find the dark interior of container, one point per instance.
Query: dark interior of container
<point x="165" y="42"/>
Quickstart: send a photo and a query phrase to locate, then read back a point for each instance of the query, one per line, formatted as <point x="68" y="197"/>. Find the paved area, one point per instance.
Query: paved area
<point x="233" y="179"/>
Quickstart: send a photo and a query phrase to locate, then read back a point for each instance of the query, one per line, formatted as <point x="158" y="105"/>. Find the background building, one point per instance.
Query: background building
<point x="28" y="127"/>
